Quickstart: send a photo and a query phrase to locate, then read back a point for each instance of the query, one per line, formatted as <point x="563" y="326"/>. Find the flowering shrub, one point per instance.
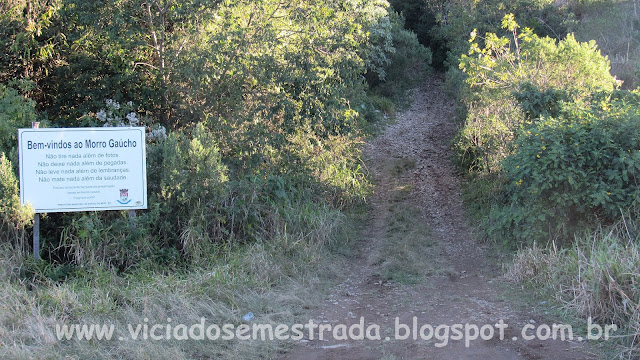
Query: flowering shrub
<point x="116" y="115"/>
<point x="568" y="170"/>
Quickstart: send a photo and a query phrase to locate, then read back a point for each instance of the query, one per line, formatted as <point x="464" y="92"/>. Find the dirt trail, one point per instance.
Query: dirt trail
<point x="465" y="288"/>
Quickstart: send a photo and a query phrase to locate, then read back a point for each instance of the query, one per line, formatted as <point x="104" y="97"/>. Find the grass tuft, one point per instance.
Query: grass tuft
<point x="407" y="246"/>
<point x="278" y="279"/>
<point x="597" y="277"/>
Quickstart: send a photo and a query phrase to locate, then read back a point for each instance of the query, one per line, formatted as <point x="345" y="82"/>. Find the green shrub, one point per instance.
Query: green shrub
<point x="14" y="218"/>
<point x="536" y="103"/>
<point x="191" y="189"/>
<point x="16" y="112"/>
<point x="499" y="70"/>
<point x="568" y="171"/>
<point x="407" y="65"/>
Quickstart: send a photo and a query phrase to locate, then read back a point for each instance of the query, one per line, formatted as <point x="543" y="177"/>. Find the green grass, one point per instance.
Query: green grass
<point x="406" y="252"/>
<point x="407" y="247"/>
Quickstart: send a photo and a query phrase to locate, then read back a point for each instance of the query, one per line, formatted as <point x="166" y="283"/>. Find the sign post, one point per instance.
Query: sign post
<point x="82" y="169"/>
<point x="132" y="218"/>
<point x="36" y="218"/>
<point x="36" y="236"/>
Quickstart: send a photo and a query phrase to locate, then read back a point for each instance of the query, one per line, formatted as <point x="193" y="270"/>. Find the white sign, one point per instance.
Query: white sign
<point x="83" y="169"/>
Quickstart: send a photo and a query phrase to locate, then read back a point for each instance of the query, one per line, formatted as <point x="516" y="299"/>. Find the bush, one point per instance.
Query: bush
<point x="14" y="218"/>
<point x="16" y="112"/>
<point x="499" y="69"/>
<point x="408" y="61"/>
<point x="570" y="170"/>
<point x="192" y="184"/>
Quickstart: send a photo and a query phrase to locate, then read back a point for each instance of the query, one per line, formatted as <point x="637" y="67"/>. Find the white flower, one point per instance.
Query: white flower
<point x="133" y="118"/>
<point x="112" y="104"/>
<point x="102" y="115"/>
<point x="158" y="133"/>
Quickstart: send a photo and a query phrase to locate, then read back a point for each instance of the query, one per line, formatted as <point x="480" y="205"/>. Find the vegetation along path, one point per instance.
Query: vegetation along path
<point x="418" y="257"/>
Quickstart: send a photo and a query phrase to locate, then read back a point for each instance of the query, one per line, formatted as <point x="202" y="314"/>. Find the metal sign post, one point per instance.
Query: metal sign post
<point x="132" y="219"/>
<point x="36" y="236"/>
<point x="36" y="219"/>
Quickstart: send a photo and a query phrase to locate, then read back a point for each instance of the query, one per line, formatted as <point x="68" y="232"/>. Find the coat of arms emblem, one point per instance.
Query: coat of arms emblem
<point x="124" y="196"/>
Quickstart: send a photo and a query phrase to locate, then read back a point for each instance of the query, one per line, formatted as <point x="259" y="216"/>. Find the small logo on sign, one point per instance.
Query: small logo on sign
<point x="124" y="196"/>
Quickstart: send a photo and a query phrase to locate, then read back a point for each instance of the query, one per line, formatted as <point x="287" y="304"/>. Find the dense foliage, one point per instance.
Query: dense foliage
<point x="444" y="26"/>
<point x="254" y="110"/>
<point x="507" y="65"/>
<point x="552" y="144"/>
<point x="571" y="171"/>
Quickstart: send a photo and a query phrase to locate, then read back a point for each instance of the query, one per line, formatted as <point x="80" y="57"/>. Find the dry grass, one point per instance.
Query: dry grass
<point x="598" y="277"/>
<point x="277" y="280"/>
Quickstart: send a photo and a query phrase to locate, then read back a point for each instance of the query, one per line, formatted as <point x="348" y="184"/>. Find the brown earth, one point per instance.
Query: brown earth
<point x="464" y="284"/>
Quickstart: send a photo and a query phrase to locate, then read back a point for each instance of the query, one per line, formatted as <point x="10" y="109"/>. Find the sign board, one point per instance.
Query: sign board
<point x="83" y="169"/>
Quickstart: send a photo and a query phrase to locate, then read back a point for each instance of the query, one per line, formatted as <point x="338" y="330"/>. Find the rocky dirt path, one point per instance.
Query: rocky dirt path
<point x="461" y="282"/>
